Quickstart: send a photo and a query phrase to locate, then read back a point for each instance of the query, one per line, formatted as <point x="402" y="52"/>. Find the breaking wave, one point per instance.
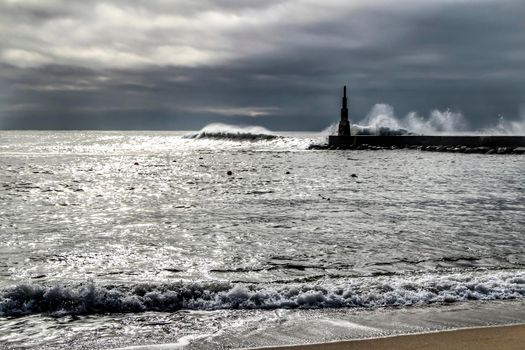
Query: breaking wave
<point x="508" y="127"/>
<point x="360" y="292"/>
<point x="382" y="121"/>
<point x="233" y="133"/>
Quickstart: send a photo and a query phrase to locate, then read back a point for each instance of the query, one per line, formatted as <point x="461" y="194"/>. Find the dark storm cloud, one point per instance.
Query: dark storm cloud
<point x="183" y="64"/>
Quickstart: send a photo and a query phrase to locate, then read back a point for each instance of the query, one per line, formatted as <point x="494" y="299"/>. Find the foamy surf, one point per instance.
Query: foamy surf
<point x="370" y="292"/>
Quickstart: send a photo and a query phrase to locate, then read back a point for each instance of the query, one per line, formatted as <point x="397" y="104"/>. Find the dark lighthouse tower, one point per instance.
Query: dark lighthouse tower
<point x="344" y="124"/>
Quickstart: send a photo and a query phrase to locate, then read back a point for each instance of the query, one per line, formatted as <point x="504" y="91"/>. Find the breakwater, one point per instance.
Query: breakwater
<point x="464" y="144"/>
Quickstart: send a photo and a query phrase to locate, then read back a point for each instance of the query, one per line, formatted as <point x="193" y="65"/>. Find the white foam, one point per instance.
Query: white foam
<point x="359" y="292"/>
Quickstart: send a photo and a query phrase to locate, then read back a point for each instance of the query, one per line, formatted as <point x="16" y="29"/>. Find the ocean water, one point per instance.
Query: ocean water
<point x="123" y="239"/>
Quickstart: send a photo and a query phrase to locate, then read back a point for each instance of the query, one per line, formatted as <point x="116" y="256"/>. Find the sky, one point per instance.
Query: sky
<point x="281" y="64"/>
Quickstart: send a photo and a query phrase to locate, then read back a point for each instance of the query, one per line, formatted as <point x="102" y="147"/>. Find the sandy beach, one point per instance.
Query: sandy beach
<point x="510" y="337"/>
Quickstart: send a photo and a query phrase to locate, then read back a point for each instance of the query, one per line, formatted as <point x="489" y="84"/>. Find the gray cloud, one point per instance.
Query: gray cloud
<point x="182" y="64"/>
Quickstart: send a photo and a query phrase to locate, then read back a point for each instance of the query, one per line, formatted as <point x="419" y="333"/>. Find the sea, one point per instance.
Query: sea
<point x="242" y="237"/>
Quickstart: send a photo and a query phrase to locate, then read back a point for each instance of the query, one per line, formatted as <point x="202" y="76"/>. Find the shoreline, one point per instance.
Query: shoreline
<point x="500" y="337"/>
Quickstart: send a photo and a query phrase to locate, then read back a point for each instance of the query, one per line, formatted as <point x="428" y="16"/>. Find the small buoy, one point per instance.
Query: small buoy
<point x="229" y="173"/>
<point x="136" y="163"/>
<point x="354" y="175"/>
<point x="287" y="173"/>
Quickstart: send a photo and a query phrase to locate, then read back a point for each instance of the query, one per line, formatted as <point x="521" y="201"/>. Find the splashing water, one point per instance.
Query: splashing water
<point x="508" y="127"/>
<point x="438" y="122"/>
<point x="382" y="115"/>
<point x="381" y="120"/>
<point x="331" y="129"/>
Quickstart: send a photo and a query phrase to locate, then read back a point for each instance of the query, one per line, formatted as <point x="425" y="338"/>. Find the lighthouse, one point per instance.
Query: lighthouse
<point x="344" y="124"/>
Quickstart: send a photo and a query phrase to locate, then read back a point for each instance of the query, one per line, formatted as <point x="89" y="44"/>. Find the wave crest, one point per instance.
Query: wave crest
<point x="234" y="133"/>
<point x="361" y="292"/>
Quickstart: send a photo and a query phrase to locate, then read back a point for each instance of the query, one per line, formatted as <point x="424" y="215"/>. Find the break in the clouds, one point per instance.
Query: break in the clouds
<point x="280" y="63"/>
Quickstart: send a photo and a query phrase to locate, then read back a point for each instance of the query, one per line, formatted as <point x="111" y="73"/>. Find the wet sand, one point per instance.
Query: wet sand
<point x="510" y="337"/>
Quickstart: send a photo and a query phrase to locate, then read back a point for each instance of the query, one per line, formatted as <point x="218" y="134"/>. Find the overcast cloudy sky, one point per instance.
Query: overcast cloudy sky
<point x="180" y="64"/>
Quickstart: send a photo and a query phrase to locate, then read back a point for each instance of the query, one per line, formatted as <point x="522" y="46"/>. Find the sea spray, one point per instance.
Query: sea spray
<point x="330" y="130"/>
<point x="437" y="123"/>
<point x="381" y="115"/>
<point x="507" y="127"/>
<point x="381" y="120"/>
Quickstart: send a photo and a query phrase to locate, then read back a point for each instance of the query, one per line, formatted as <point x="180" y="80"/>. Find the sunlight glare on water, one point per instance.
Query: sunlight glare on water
<point x="151" y="221"/>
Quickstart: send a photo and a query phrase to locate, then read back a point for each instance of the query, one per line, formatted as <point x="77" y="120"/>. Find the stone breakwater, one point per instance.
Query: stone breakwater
<point x="443" y="143"/>
<point x="437" y="148"/>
